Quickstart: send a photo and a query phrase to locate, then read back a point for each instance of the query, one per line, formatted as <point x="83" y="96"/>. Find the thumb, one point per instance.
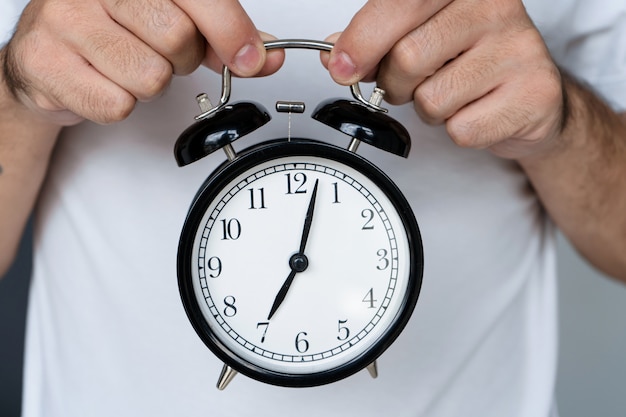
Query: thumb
<point x="372" y="33"/>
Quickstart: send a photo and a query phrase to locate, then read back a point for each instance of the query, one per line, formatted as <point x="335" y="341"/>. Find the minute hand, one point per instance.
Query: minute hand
<point x="298" y="262"/>
<point x="308" y="220"/>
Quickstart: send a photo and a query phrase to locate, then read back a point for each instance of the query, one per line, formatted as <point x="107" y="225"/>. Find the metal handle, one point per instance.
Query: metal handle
<point x="286" y="44"/>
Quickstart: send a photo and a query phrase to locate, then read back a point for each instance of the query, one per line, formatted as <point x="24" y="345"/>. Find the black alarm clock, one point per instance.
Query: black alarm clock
<point x="299" y="262"/>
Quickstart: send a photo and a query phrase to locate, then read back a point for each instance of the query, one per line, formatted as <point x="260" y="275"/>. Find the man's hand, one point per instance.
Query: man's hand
<point x="94" y="59"/>
<point x="480" y="67"/>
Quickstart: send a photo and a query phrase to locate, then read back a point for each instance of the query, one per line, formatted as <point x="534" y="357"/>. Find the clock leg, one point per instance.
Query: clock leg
<point x="373" y="369"/>
<point x="226" y="376"/>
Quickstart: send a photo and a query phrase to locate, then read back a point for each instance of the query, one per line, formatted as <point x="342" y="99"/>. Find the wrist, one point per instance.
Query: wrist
<point x="25" y="102"/>
<point x="577" y="125"/>
<point x="25" y="134"/>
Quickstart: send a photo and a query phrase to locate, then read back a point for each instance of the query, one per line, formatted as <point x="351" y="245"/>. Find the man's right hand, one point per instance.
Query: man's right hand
<point x="94" y="59"/>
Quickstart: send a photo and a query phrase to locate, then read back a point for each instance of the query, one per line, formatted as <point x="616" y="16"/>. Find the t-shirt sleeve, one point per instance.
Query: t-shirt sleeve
<point x="594" y="49"/>
<point x="10" y="11"/>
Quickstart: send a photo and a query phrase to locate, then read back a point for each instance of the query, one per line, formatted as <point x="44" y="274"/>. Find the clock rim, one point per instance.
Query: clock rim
<point x="210" y="189"/>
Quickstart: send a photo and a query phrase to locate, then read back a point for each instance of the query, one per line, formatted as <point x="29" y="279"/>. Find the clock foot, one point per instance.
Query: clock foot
<point x="372" y="368"/>
<point x="226" y="376"/>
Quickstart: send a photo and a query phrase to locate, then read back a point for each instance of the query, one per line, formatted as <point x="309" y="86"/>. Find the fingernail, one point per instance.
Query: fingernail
<point x="246" y="62"/>
<point x="342" y="68"/>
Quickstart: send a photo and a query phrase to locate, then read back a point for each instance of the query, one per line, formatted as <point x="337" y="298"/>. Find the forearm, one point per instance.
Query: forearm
<point x="581" y="180"/>
<point x="26" y="142"/>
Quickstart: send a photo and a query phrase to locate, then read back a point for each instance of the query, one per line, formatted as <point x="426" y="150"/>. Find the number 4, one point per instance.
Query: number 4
<point x="369" y="298"/>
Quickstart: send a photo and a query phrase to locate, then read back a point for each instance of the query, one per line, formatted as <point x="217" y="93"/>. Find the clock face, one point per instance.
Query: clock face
<point x="299" y="269"/>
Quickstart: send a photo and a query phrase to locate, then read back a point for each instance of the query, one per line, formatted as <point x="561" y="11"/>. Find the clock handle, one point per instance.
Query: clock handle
<point x="285" y="44"/>
<point x="218" y="126"/>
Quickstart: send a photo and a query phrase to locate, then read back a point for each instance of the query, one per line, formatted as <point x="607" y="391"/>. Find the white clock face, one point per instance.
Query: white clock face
<point x="339" y="304"/>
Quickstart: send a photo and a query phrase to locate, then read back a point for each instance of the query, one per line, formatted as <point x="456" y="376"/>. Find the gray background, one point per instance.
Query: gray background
<point x="592" y="367"/>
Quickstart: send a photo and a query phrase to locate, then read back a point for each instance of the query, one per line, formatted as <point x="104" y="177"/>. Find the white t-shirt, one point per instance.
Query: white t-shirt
<point x="107" y="333"/>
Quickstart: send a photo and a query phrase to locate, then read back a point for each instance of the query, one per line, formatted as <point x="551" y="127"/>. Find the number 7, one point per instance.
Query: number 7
<point x="265" y="325"/>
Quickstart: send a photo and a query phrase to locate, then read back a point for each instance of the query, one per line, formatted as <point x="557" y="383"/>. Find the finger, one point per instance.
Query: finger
<point x="463" y="80"/>
<point x="450" y="35"/>
<point x="84" y="91"/>
<point x="230" y="33"/>
<point x="425" y="50"/>
<point x="51" y="75"/>
<point x="274" y="58"/>
<point x="119" y="55"/>
<point x="15" y="80"/>
<point x="325" y="57"/>
<point x="504" y="118"/>
<point x="163" y="26"/>
<point x="372" y="33"/>
<point x="273" y="61"/>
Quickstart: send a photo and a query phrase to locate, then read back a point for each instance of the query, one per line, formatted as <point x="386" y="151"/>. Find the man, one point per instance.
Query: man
<point x="106" y="330"/>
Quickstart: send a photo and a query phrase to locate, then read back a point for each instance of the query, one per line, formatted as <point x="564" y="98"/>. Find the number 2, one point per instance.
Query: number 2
<point x="368" y="215"/>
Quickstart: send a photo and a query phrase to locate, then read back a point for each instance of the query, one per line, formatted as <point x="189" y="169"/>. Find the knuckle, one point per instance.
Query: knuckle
<point x="429" y="100"/>
<point x="145" y="72"/>
<point x="552" y="87"/>
<point x="54" y="16"/>
<point x="98" y="104"/>
<point x="178" y="33"/>
<point x="461" y="134"/>
<point x="404" y="58"/>
<point x="179" y="41"/>
<point x="510" y="14"/>
<point x="478" y="131"/>
<point x="113" y="109"/>
<point x="154" y="80"/>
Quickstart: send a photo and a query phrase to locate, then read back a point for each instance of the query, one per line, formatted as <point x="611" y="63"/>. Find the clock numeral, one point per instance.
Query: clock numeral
<point x="230" y="310"/>
<point x="296" y="183"/>
<point x="336" y="188"/>
<point x="253" y="201"/>
<point x="231" y="229"/>
<point x="369" y="298"/>
<point x="263" y="325"/>
<point x="368" y="215"/>
<point x="384" y="260"/>
<point x="214" y="264"/>
<point x="302" y="345"/>
<point x="344" y="332"/>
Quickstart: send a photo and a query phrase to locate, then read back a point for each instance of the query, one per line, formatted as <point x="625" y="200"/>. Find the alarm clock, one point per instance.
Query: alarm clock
<point x="299" y="262"/>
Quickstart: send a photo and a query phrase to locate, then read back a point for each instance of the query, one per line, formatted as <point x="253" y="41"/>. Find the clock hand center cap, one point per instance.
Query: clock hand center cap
<point x="299" y="262"/>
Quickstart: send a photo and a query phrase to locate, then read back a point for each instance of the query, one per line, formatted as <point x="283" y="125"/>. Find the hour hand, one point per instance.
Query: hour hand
<point x="282" y="293"/>
<point x="298" y="262"/>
